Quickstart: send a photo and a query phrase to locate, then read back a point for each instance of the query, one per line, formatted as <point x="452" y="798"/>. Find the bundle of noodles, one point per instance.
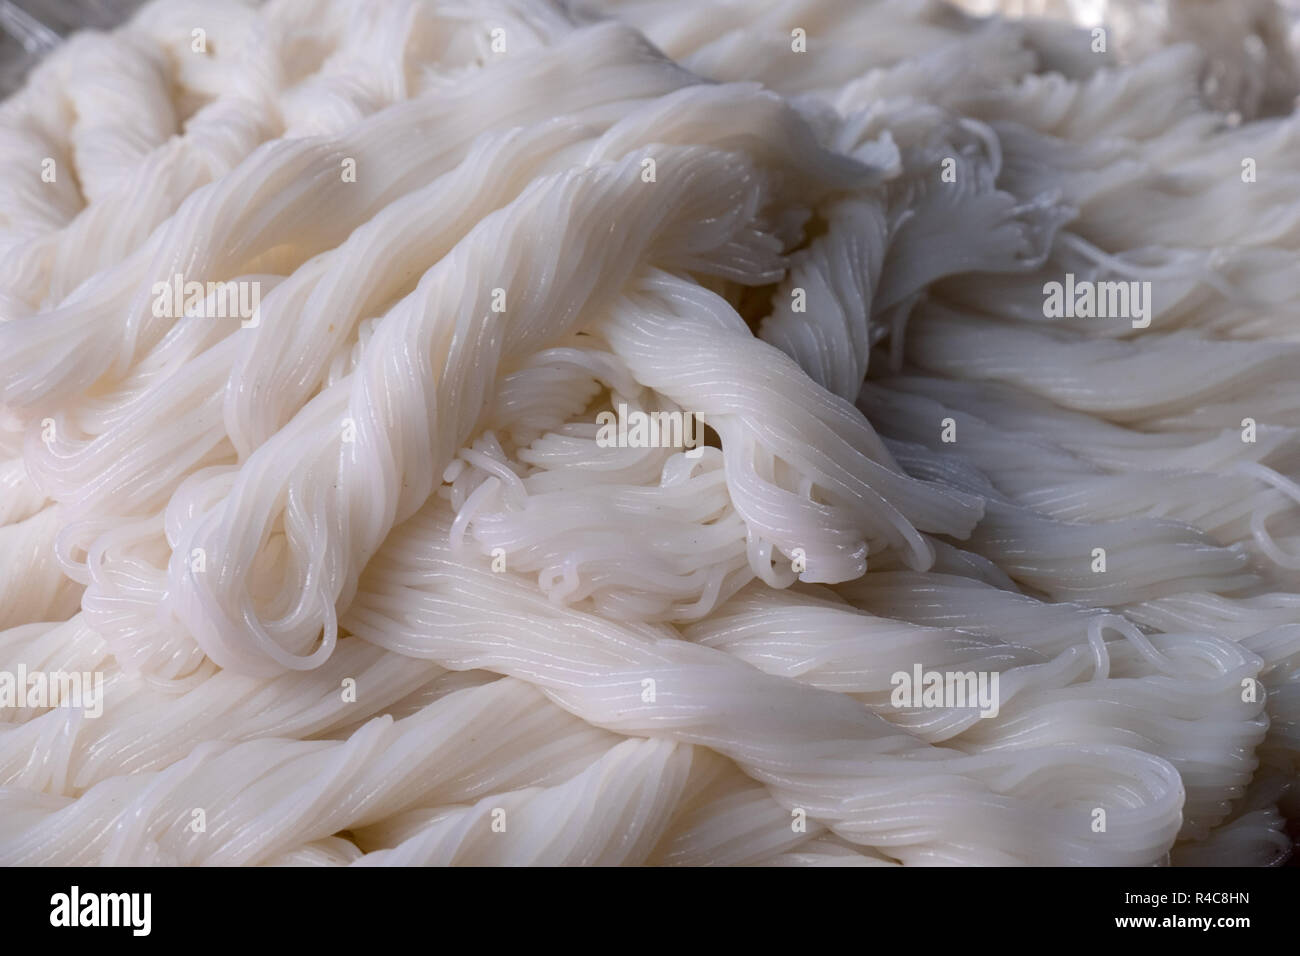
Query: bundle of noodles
<point x="365" y="579"/>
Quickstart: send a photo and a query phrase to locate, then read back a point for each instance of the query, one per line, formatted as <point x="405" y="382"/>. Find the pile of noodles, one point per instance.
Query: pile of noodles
<point x="365" y="585"/>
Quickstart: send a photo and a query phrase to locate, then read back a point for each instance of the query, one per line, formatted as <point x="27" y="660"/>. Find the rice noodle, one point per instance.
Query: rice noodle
<point x="366" y="583"/>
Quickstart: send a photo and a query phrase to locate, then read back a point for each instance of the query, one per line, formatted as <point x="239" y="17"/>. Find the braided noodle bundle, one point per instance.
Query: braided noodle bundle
<point x="365" y="581"/>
